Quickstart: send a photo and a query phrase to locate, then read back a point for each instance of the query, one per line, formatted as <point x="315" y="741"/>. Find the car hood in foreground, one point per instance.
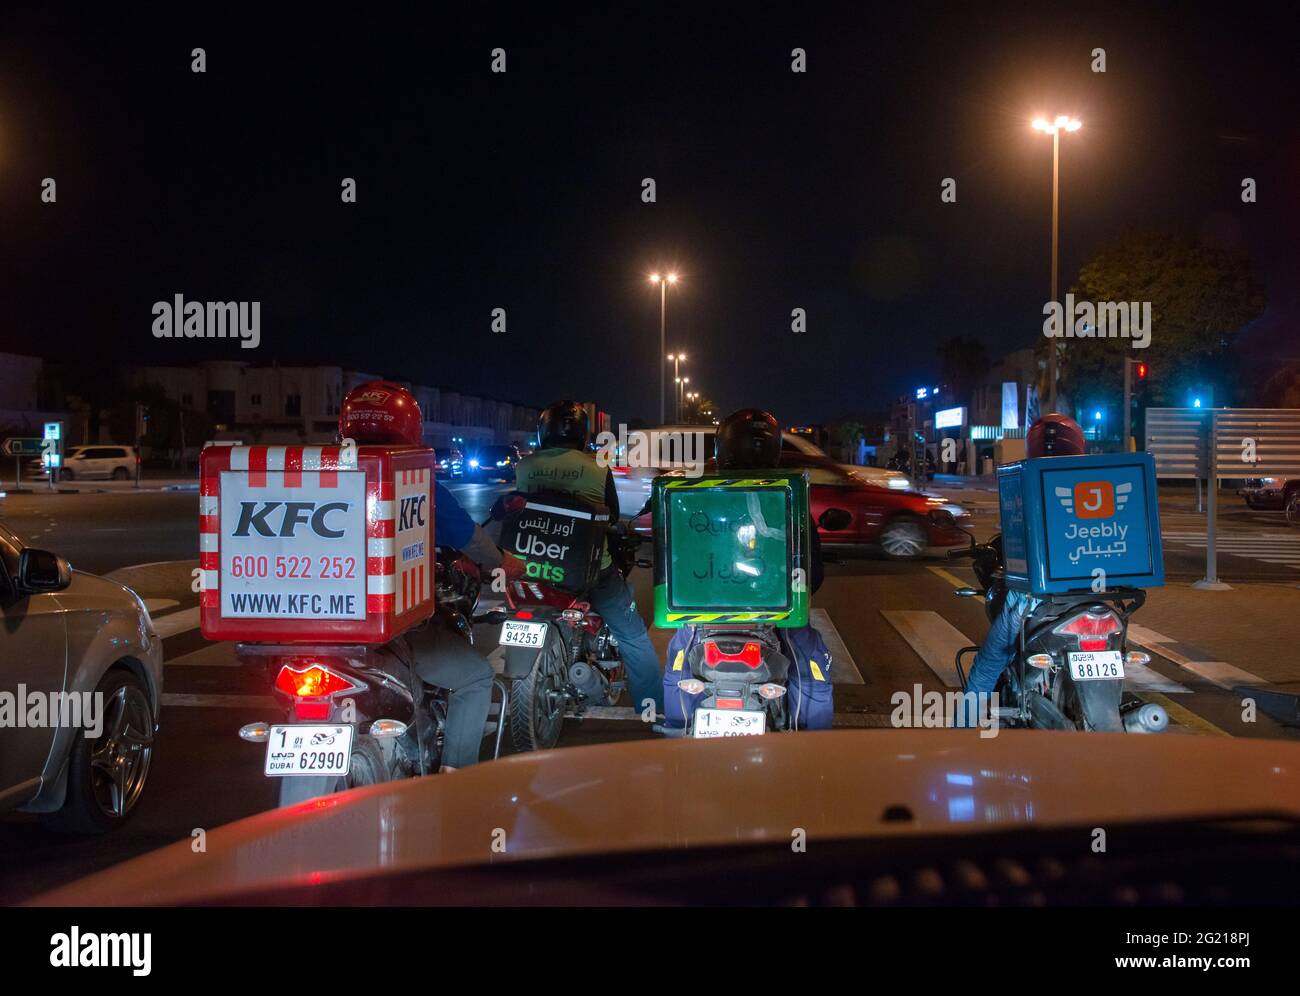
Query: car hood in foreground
<point x="650" y="794"/>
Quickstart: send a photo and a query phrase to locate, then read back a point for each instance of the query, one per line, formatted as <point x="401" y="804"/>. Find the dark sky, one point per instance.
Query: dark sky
<point x="776" y="190"/>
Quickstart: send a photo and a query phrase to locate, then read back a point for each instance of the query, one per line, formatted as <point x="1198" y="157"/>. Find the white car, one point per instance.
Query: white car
<point x="633" y="483"/>
<point x="82" y="463"/>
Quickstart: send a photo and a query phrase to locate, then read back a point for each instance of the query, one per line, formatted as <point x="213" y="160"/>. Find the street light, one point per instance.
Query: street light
<point x="677" y="360"/>
<point x="681" y="394"/>
<point x="1062" y="122"/>
<point x="663" y="281"/>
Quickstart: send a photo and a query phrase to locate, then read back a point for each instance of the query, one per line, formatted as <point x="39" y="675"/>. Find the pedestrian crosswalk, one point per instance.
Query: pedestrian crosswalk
<point x="1267" y="547"/>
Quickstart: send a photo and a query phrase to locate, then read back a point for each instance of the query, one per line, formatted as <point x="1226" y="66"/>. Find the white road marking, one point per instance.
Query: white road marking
<point x="219" y="701"/>
<point x="935" y="640"/>
<point x="175" y="623"/>
<point x="844" y="670"/>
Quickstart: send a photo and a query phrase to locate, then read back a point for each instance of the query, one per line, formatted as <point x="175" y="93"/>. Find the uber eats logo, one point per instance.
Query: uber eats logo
<point x="529" y="546"/>
<point x="282" y="518"/>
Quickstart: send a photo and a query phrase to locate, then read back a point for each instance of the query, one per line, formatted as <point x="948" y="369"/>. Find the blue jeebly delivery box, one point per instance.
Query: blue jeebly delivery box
<point x="1066" y="518"/>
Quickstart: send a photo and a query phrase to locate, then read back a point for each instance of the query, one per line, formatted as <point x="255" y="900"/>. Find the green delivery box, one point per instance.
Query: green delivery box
<point x="731" y="549"/>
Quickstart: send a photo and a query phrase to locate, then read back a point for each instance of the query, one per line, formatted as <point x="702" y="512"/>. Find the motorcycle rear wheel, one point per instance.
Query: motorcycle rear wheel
<point x="368" y="768"/>
<point x="537" y="701"/>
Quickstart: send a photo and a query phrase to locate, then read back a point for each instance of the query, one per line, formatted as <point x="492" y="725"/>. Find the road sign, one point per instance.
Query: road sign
<point x="19" y="446"/>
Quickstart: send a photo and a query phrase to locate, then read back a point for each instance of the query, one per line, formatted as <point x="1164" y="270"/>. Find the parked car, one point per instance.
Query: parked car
<point x="492" y="463"/>
<point x="1274" y="494"/>
<point x="68" y="633"/>
<point x="633" y="483"/>
<point x="897" y="521"/>
<point x="82" y="463"/>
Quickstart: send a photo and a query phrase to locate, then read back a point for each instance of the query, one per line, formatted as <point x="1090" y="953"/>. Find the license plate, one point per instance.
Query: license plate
<point x="523" y="634"/>
<point x="711" y="723"/>
<point x="309" y="750"/>
<point x="1099" y="665"/>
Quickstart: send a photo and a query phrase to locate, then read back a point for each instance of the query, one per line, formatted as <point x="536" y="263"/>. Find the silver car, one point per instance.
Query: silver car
<point x="80" y="691"/>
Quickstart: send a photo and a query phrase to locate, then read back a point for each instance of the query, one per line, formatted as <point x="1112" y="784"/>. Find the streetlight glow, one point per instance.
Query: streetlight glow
<point x="672" y="278"/>
<point x="654" y="278"/>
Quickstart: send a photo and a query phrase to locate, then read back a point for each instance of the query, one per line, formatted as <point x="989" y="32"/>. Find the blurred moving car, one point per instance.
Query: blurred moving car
<point x="633" y="483"/>
<point x="83" y="463"/>
<point x="489" y="463"/>
<point x="67" y="633"/>
<point x="897" y="521"/>
<point x="903" y="817"/>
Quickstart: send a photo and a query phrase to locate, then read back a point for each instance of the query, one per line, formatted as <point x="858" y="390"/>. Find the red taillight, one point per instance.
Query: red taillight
<point x="312" y="682"/>
<point x="1091" y="629"/>
<point x="751" y="655"/>
<point x="524" y="614"/>
<point x="729" y="703"/>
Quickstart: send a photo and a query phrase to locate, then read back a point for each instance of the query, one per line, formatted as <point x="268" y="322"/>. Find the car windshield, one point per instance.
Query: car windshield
<point x="419" y="335"/>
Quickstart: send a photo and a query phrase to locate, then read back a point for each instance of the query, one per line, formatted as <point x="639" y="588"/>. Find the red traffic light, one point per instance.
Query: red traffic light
<point x="1141" y="371"/>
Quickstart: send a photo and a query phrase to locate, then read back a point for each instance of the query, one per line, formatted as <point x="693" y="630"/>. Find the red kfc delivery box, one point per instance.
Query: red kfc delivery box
<point x="315" y="544"/>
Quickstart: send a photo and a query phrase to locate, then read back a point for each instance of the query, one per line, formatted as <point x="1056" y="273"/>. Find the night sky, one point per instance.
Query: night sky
<point x="776" y="190"/>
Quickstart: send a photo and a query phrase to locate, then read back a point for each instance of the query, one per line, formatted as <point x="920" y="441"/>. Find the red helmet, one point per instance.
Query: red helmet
<point x="1055" y="435"/>
<point x="381" y="412"/>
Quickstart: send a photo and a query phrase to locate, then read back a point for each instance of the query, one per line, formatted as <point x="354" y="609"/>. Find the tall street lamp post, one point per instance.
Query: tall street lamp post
<point x="663" y="281"/>
<point x="1054" y="128"/>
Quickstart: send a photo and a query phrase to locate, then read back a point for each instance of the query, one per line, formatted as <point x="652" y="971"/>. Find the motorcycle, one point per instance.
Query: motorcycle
<point x="366" y="701"/>
<point x="1069" y="668"/>
<point x="741" y="674"/>
<point x="559" y="652"/>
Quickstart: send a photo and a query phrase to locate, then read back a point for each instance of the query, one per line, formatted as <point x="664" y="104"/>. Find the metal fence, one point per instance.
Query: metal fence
<point x="1248" y="442"/>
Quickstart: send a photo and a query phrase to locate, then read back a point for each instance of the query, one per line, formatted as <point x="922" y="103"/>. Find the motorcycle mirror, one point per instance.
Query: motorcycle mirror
<point x="967" y="592"/>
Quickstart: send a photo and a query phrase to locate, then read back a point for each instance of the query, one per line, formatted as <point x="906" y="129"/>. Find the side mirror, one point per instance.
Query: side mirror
<point x="942" y="518"/>
<point x="41" y="571"/>
<point x="835" y="519"/>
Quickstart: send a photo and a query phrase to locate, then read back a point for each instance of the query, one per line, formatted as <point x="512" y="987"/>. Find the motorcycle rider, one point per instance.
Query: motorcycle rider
<point x="750" y="439"/>
<point x="563" y="463"/>
<point x="384" y="412"/>
<point x="1051" y="435"/>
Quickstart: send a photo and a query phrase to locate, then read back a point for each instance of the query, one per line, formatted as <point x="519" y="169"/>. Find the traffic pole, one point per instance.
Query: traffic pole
<point x="1211" y="580"/>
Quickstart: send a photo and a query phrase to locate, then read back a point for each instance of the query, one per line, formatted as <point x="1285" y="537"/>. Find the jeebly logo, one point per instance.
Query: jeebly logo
<point x="102" y="950"/>
<point x="181" y="319"/>
<point x="258" y="517"/>
<point x="1096" y="500"/>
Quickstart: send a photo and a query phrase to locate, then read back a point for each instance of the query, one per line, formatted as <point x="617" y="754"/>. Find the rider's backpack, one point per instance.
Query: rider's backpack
<point x="560" y="537"/>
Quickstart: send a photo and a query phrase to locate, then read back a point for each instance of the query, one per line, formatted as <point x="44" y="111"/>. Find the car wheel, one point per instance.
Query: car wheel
<point x="1293" y="509"/>
<point x="121" y="474"/>
<point x="903" y="539"/>
<point x="107" y="774"/>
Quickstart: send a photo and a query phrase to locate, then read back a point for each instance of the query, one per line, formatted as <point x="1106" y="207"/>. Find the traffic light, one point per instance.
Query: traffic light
<point x="1141" y="369"/>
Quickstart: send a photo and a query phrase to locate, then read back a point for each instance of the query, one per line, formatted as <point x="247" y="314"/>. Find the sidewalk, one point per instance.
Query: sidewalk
<point x="35" y="487"/>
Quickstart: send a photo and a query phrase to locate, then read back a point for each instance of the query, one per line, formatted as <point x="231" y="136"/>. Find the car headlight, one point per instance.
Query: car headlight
<point x="473" y="463"/>
<point x="898" y="483"/>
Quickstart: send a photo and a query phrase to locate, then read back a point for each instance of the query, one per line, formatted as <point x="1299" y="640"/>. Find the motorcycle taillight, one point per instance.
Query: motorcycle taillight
<point x="750" y="654"/>
<point x="1092" y="629"/>
<point x="310" y="682"/>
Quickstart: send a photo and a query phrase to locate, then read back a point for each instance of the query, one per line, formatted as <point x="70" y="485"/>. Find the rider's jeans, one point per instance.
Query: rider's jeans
<point x="612" y="598"/>
<point x="446" y="659"/>
<point x="997" y="651"/>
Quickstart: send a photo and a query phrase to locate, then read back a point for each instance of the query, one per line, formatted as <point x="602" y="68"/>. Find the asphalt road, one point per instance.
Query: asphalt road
<point x="891" y="627"/>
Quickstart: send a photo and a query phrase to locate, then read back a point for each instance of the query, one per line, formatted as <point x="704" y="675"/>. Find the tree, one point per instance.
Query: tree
<point x="699" y="411"/>
<point x="1201" y="296"/>
<point x="963" y="365"/>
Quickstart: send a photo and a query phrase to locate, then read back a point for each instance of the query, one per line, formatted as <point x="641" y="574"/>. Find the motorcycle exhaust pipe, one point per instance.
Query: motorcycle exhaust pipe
<point x="584" y="678"/>
<point x="1147" y="718"/>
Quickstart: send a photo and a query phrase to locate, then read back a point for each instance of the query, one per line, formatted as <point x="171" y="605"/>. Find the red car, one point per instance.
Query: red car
<point x="894" y="519"/>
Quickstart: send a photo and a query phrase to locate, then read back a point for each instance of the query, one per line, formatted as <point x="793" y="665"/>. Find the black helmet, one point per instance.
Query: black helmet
<point x="565" y="424"/>
<point x="749" y="438"/>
